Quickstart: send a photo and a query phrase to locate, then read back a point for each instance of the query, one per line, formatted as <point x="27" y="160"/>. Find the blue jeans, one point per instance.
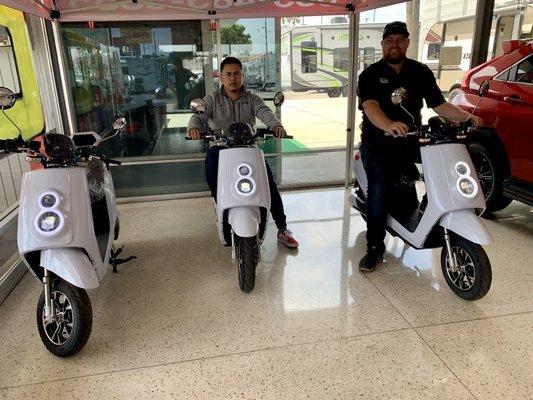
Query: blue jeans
<point x="276" y="204"/>
<point x="384" y="162"/>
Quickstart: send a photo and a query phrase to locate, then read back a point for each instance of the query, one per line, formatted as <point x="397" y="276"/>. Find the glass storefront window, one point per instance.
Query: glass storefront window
<point x="147" y="72"/>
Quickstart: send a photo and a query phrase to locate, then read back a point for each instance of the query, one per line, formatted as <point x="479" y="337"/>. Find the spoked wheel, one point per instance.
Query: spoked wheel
<point x="472" y="278"/>
<point x="66" y="333"/>
<point x="247" y="254"/>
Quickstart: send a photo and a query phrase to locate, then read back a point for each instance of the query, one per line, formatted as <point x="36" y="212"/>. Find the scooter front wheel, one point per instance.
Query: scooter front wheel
<point x="247" y="259"/>
<point x="472" y="278"/>
<point x="70" y="328"/>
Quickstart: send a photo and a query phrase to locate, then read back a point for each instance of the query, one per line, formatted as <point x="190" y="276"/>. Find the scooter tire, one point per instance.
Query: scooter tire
<point x="475" y="261"/>
<point x="247" y="259"/>
<point x="80" y="314"/>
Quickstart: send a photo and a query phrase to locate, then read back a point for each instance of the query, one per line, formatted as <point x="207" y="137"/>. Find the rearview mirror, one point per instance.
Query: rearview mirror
<point x="119" y="124"/>
<point x="198" y="106"/>
<point x="398" y="96"/>
<point x="279" y="99"/>
<point x="483" y="88"/>
<point x="7" y="98"/>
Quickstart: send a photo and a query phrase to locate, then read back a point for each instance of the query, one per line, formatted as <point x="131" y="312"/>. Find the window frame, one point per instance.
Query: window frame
<point x="19" y="94"/>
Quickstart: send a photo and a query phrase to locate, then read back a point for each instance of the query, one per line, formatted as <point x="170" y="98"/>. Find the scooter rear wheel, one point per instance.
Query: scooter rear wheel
<point x="247" y="258"/>
<point x="67" y="334"/>
<point x="473" y="278"/>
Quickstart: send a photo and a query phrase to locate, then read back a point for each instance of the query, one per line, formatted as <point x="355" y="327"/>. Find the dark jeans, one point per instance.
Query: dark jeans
<point x="384" y="162"/>
<point x="276" y="204"/>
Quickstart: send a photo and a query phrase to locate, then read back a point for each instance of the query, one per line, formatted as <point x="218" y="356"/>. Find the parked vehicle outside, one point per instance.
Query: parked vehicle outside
<point x="503" y="152"/>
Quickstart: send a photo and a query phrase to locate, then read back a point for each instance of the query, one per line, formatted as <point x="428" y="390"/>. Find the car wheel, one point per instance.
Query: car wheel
<point x="490" y="174"/>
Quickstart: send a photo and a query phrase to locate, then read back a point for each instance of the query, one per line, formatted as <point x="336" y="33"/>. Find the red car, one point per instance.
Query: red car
<point x="503" y="153"/>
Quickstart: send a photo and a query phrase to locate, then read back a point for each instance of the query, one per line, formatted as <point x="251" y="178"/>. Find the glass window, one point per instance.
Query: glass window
<point x="308" y="54"/>
<point x="147" y="72"/>
<point x="504" y="76"/>
<point x="8" y="66"/>
<point x="433" y="51"/>
<point x="524" y="71"/>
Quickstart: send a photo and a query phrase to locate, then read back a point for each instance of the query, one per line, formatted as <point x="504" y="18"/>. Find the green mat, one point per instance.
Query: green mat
<point x="287" y="146"/>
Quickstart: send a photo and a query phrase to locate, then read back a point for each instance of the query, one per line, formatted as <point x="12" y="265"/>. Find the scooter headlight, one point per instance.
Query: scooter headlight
<point x="462" y="168"/>
<point x="244" y="170"/>
<point x="48" y="200"/>
<point x="245" y="186"/>
<point x="467" y="187"/>
<point x="49" y="222"/>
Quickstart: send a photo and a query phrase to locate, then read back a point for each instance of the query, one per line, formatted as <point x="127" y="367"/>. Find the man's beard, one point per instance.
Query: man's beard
<point x="394" y="60"/>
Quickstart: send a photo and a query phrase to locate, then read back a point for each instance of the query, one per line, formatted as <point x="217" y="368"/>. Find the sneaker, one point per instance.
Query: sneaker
<point x="287" y="239"/>
<point x="372" y="257"/>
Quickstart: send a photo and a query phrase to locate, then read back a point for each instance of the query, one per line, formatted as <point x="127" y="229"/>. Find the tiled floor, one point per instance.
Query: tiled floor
<point x="174" y="325"/>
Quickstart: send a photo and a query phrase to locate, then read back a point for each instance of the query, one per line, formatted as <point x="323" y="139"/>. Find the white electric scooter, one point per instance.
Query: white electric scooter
<point x="67" y="223"/>
<point x="243" y="193"/>
<point x="449" y="219"/>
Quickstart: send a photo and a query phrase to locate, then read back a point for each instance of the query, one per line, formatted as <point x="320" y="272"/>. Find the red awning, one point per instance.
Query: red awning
<point x="146" y="10"/>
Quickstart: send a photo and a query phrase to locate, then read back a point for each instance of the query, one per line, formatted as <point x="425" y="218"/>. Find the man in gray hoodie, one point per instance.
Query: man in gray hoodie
<point x="234" y="103"/>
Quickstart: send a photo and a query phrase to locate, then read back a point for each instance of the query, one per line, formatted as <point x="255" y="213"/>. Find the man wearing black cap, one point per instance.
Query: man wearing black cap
<point x="383" y="157"/>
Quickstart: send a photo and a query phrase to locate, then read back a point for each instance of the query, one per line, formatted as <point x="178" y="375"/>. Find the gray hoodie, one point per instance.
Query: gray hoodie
<point x="221" y="111"/>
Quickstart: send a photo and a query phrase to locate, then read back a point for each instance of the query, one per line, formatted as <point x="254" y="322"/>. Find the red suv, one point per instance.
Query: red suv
<point x="503" y="153"/>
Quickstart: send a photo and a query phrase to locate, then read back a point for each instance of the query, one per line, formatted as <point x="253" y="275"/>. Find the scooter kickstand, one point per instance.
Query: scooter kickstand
<point x="114" y="261"/>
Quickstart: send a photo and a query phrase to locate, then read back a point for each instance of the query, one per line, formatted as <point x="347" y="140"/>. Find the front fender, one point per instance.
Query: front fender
<point x="244" y="221"/>
<point x="467" y="224"/>
<point x="72" y="265"/>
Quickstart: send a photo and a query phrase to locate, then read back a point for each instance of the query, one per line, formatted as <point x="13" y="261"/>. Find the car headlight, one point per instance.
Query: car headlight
<point x="462" y="168"/>
<point x="467" y="187"/>
<point x="48" y="200"/>
<point x="245" y="186"/>
<point x="244" y="170"/>
<point x="49" y="221"/>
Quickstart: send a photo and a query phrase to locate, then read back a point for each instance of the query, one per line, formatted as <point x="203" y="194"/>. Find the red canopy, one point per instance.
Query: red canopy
<point x="128" y="10"/>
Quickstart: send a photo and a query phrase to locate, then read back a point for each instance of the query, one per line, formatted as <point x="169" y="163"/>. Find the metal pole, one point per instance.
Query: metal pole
<point x="482" y="25"/>
<point x="352" y="86"/>
<point x="63" y="77"/>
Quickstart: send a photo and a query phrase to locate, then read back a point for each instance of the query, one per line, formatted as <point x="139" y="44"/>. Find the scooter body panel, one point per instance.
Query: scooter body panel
<point x="468" y="225"/>
<point x="244" y="221"/>
<point x="229" y="198"/>
<point x="438" y="163"/>
<point x="72" y="265"/>
<point x="76" y="230"/>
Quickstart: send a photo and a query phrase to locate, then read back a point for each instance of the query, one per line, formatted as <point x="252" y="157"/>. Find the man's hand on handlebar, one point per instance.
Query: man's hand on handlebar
<point x="475" y="121"/>
<point x="279" y="131"/>
<point x="397" y="129"/>
<point x="194" y="134"/>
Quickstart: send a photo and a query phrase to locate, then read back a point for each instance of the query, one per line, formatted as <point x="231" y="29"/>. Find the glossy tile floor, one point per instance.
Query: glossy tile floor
<point x="174" y="325"/>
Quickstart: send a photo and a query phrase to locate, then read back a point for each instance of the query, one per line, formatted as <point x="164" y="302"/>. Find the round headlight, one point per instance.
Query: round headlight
<point x="244" y="170"/>
<point x="245" y="186"/>
<point x="467" y="187"/>
<point x="48" y="221"/>
<point x="48" y="200"/>
<point x="462" y="168"/>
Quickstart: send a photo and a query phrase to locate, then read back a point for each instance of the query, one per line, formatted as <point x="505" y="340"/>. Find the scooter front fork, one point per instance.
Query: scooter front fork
<point x="233" y="249"/>
<point x="452" y="260"/>
<point x="49" y="314"/>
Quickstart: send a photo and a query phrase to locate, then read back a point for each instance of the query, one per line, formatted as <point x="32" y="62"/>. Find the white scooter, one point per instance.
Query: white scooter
<point x="67" y="223"/>
<point x="449" y="219"/>
<point x="243" y="193"/>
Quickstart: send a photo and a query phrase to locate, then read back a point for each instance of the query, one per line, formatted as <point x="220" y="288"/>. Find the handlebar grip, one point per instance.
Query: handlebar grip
<point x="288" y="137"/>
<point x="187" y="138"/>
<point x="110" y="161"/>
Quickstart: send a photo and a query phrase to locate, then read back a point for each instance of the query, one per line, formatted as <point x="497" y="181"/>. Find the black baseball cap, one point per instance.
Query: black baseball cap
<point x="395" y="28"/>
